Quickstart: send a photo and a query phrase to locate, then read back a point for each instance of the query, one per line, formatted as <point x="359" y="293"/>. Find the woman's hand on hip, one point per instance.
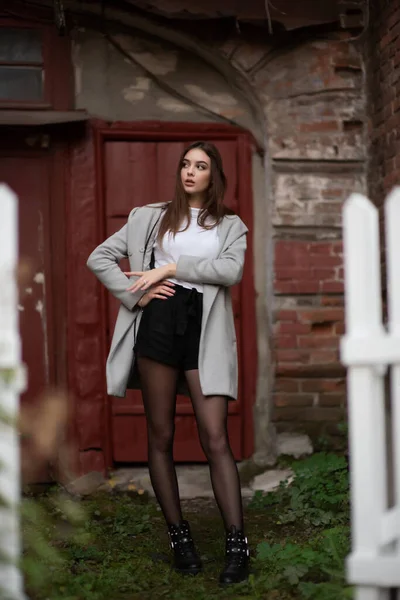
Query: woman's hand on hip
<point x="163" y="291"/>
<point x="147" y="279"/>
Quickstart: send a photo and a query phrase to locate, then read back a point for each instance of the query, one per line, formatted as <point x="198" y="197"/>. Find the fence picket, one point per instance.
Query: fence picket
<point x="362" y="266"/>
<point x="11" y="383"/>
<point x="367" y="349"/>
<point x="392" y="220"/>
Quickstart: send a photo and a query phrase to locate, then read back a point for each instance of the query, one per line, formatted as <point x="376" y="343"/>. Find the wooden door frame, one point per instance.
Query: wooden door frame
<point x="160" y="131"/>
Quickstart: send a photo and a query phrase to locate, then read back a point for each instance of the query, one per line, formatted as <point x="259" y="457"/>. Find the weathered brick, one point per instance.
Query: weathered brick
<point x="331" y="399"/>
<point x="297" y="287"/>
<point x="312" y="118"/>
<point x="317" y="341"/>
<point x="313" y="199"/>
<point x="340" y="329"/>
<point x="285" y="341"/>
<point x="316" y="413"/>
<point x="325" y="261"/>
<point x="321" y="315"/>
<point x="323" y="329"/>
<point x="308" y="371"/>
<point x="322" y="385"/>
<point x="324" y="356"/>
<point x="286" y="315"/>
<point x="293" y="328"/>
<point x="332" y="301"/>
<point x="383" y="67"/>
<point x="286" y="385"/>
<point x="292" y="356"/>
<point x="335" y="287"/>
<point x="293" y="399"/>
<point x="303" y="254"/>
<point x="318" y="126"/>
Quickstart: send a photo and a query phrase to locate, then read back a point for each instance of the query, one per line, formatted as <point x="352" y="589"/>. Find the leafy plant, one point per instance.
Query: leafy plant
<point x="318" y="496"/>
<point x="315" y="569"/>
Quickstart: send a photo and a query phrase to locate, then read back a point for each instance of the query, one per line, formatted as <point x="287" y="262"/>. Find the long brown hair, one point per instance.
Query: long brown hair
<point x="178" y="210"/>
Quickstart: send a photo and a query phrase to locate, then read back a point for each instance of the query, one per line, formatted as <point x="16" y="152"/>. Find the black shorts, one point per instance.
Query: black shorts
<point x="169" y="331"/>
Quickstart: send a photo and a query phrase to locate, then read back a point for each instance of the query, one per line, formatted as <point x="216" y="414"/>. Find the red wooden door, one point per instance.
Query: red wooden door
<point x="138" y="173"/>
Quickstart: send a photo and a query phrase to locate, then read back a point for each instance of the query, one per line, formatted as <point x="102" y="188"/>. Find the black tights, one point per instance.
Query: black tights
<point x="159" y="398"/>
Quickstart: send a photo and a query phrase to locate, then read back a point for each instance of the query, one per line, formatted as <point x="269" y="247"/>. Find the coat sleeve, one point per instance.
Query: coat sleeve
<point x="226" y="270"/>
<point x="103" y="262"/>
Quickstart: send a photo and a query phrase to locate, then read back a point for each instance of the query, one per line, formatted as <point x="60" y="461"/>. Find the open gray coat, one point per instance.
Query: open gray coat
<point x="218" y="368"/>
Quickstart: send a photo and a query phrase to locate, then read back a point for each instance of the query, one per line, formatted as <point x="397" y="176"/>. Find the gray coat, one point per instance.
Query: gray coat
<point x="218" y="368"/>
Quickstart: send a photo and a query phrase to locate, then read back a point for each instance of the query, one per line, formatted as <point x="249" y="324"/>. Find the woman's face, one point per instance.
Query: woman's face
<point x="196" y="171"/>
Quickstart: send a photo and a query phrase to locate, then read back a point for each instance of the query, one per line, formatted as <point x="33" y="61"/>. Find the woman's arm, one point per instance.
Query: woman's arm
<point x="103" y="262"/>
<point x="226" y="270"/>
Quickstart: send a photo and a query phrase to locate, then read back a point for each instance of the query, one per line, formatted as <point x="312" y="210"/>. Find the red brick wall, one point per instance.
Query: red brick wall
<point x="383" y="67"/>
<point x="310" y="384"/>
<point x="313" y="93"/>
<point x="318" y="151"/>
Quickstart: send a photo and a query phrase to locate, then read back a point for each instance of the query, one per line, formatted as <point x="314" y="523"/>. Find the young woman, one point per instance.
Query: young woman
<point x="176" y="317"/>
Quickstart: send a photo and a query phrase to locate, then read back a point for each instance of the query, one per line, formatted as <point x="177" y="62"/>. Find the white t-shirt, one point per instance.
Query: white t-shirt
<point x="195" y="241"/>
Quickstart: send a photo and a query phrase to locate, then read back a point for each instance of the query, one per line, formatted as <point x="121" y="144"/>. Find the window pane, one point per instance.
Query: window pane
<point x="20" y="45"/>
<point x="21" y="83"/>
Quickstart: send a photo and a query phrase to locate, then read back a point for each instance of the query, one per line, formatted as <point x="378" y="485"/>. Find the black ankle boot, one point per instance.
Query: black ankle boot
<point x="186" y="559"/>
<point x="237" y="558"/>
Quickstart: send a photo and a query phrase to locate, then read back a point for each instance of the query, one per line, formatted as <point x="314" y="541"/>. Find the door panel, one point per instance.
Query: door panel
<point x="139" y="173"/>
<point x="168" y="155"/>
<point x="130" y="176"/>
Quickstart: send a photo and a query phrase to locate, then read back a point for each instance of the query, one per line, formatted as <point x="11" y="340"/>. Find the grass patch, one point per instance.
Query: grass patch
<point x="115" y="546"/>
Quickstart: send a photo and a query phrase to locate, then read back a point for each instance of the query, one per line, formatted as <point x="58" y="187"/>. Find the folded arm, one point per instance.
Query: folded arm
<point x="226" y="270"/>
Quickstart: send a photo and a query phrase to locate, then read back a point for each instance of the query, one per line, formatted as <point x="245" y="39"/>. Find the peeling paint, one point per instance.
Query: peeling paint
<point x="137" y="90"/>
<point x="161" y="64"/>
<point x="218" y="99"/>
<point x="132" y="95"/>
<point x="21" y="308"/>
<point x="173" y="105"/>
<point x="28" y="290"/>
<point x="39" y="308"/>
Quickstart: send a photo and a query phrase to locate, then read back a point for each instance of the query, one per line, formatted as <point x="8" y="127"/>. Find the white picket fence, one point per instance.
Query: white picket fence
<point x="371" y="351"/>
<point x="11" y="384"/>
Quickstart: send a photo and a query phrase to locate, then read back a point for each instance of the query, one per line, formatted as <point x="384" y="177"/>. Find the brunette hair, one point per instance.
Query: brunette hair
<point x="178" y="210"/>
